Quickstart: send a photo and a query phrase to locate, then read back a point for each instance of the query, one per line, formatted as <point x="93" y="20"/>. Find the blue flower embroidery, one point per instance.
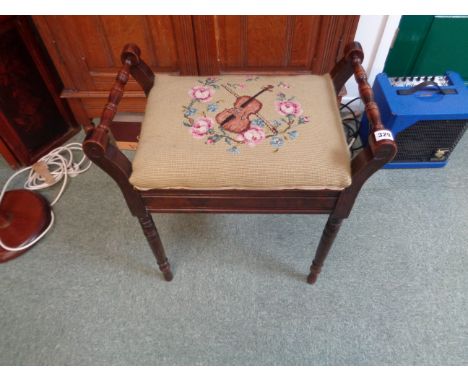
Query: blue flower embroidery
<point x="276" y="123"/>
<point x="258" y="122"/>
<point x="293" y="134"/>
<point x="277" y="142"/>
<point x="189" y="111"/>
<point x="233" y="150"/>
<point x="212" y="107"/>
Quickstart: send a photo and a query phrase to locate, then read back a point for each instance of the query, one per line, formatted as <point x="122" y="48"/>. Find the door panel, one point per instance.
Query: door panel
<point x="86" y="49"/>
<point x="266" y="41"/>
<point x="287" y="44"/>
<point x="98" y="41"/>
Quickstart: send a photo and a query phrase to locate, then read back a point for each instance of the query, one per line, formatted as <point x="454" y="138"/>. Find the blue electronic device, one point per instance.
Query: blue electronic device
<point x="427" y="116"/>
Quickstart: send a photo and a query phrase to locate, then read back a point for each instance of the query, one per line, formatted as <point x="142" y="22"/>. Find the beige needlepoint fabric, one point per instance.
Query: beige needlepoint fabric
<point x="242" y="132"/>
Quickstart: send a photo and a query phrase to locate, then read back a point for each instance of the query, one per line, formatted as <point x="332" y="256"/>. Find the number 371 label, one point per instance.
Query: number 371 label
<point x="383" y="134"/>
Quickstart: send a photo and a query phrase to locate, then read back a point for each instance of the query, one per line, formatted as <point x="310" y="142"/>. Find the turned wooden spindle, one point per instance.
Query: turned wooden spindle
<point x="386" y="149"/>
<point x="99" y="147"/>
<point x="365" y="164"/>
<point x="326" y="241"/>
<point x="152" y="236"/>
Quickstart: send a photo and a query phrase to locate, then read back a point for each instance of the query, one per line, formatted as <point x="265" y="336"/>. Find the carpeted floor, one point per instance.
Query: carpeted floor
<point x="394" y="290"/>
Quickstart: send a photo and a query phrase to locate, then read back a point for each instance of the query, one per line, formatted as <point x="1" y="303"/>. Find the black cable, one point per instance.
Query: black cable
<point x="351" y="133"/>
<point x="349" y="103"/>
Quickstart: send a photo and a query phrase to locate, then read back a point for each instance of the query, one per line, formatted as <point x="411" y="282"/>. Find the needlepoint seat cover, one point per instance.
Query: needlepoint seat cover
<point x="242" y="132"/>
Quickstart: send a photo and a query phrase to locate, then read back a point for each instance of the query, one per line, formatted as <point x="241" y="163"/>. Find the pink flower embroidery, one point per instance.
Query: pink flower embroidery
<point x="252" y="136"/>
<point x="201" y="93"/>
<point x="201" y="126"/>
<point x="288" y="108"/>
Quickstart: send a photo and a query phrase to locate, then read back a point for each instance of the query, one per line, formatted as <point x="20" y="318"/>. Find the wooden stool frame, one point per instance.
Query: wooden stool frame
<point x="101" y="149"/>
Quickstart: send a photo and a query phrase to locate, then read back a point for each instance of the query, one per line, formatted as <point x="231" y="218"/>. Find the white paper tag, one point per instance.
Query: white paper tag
<point x="383" y="134"/>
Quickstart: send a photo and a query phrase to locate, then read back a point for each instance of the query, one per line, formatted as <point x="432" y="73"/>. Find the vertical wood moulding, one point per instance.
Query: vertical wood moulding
<point x="54" y="50"/>
<point x="313" y="44"/>
<point x="243" y="40"/>
<point x="290" y="23"/>
<point x="331" y="33"/>
<point x="333" y="29"/>
<point x="183" y="32"/>
<point x="153" y="58"/>
<point x="104" y="41"/>
<point x="68" y="29"/>
<point x="206" y="46"/>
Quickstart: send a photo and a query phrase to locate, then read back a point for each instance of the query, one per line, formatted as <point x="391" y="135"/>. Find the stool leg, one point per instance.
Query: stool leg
<point x="328" y="236"/>
<point x="152" y="235"/>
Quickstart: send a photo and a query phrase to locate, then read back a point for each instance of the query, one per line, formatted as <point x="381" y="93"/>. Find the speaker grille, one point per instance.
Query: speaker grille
<point x="426" y="140"/>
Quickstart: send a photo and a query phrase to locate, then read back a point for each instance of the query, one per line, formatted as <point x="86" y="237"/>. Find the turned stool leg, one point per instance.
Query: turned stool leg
<point x="152" y="235"/>
<point x="328" y="236"/>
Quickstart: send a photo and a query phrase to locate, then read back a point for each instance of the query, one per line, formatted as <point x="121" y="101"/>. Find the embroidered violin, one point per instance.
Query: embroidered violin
<point x="236" y="119"/>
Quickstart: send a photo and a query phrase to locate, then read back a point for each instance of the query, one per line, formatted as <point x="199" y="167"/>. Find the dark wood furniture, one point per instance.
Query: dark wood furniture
<point x="24" y="215"/>
<point x="33" y="118"/>
<point x="100" y="148"/>
<point x="185" y="45"/>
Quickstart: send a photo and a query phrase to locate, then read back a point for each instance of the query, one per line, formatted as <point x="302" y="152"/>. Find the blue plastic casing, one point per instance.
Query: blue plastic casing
<point x="398" y="112"/>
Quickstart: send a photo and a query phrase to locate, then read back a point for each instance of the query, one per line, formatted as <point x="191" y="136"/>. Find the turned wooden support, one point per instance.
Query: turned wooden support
<point x="99" y="147"/>
<point x="132" y="65"/>
<point x="377" y="153"/>
<point x="152" y="235"/>
<point x="344" y="69"/>
<point x="139" y="70"/>
<point x="100" y="134"/>
<point x="384" y="149"/>
<point x="326" y="241"/>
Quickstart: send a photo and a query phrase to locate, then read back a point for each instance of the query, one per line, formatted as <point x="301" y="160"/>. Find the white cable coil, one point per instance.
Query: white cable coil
<point x="60" y="165"/>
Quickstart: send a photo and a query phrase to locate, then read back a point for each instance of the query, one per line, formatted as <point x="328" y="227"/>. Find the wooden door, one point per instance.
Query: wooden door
<point x="271" y="44"/>
<point x="86" y="49"/>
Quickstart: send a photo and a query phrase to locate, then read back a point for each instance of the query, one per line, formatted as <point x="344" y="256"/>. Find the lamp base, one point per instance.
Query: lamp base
<point x="24" y="215"/>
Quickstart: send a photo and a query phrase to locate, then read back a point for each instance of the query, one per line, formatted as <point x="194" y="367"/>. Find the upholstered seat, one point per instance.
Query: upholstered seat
<point x="289" y="137"/>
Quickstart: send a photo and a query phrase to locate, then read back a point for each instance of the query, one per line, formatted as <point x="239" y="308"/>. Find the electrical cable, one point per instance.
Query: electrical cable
<point x="351" y="133"/>
<point x="60" y="165"/>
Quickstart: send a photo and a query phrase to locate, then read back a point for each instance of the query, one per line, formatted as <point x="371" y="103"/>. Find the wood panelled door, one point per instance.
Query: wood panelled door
<point x="86" y="49"/>
<point x="271" y="44"/>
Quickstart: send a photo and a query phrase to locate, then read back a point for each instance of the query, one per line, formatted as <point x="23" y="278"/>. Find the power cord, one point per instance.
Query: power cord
<point x="52" y="168"/>
<point x="351" y="132"/>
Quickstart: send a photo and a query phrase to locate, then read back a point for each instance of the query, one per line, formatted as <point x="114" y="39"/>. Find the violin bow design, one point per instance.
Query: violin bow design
<point x="268" y="124"/>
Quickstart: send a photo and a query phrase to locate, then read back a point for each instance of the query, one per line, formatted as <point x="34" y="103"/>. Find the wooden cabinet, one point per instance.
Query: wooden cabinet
<point x="86" y="49"/>
<point x="33" y="118"/>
